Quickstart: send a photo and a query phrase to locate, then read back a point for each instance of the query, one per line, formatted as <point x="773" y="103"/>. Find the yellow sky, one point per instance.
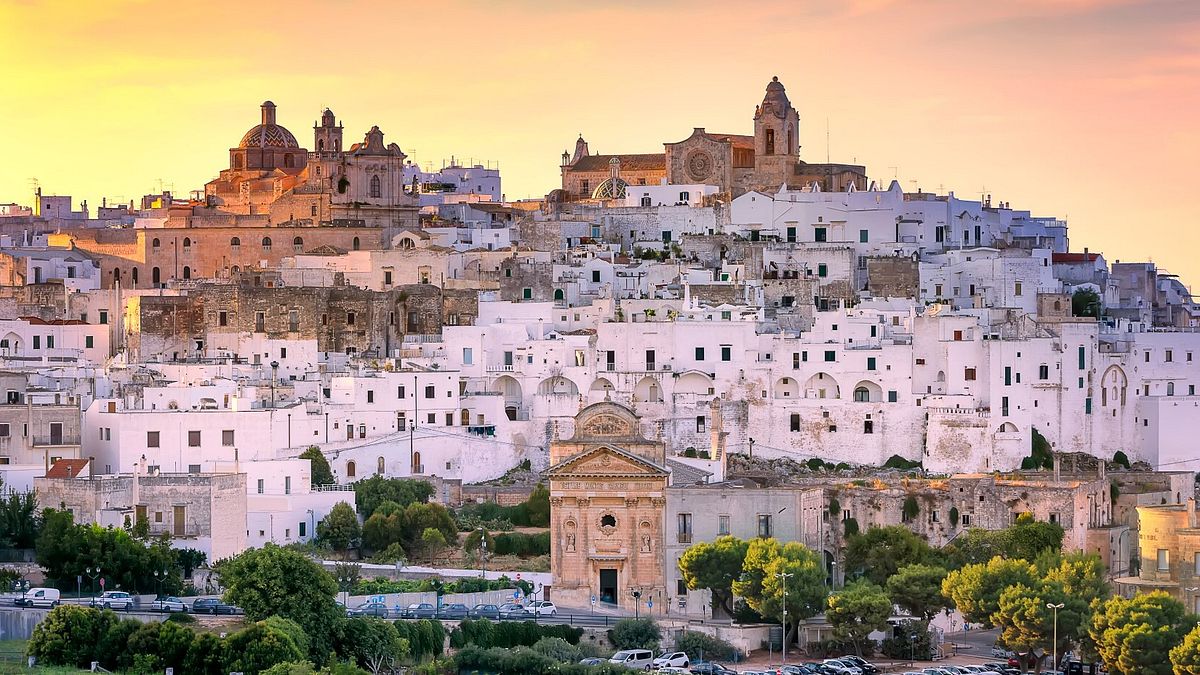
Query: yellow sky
<point x="1084" y="109"/>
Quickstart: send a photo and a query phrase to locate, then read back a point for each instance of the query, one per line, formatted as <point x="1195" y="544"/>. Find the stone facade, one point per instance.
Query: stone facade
<point x="607" y="495"/>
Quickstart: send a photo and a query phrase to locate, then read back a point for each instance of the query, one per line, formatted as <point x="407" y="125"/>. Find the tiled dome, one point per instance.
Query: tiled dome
<point x="268" y="136"/>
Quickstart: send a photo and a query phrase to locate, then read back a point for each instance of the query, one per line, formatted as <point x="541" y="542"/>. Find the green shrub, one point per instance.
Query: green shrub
<point x="953" y="516"/>
<point x="635" y="634"/>
<point x="902" y="646"/>
<point x="898" y="462"/>
<point x="70" y="635"/>
<point x="911" y="508"/>
<point x="704" y="647"/>
<point x="835" y="507"/>
<point x="850" y="527"/>
<point x="522" y="545"/>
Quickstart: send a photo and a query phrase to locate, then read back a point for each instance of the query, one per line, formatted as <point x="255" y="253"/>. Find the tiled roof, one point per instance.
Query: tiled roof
<point x="685" y="474"/>
<point x="67" y="468"/>
<point x="1075" y="257"/>
<point x="650" y="162"/>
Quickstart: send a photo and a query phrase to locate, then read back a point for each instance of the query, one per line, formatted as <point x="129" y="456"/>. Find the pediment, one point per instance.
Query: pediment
<point x="606" y="461"/>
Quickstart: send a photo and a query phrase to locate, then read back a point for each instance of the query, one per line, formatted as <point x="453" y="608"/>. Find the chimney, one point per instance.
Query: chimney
<point x="1191" y="509"/>
<point x="91" y="467"/>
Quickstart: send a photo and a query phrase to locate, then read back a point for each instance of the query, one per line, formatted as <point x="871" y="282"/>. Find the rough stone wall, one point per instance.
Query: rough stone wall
<point x="718" y="294"/>
<point x="517" y="274"/>
<point x="893" y="277"/>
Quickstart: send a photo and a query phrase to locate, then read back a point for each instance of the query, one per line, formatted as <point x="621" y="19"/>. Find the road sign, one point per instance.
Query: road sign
<point x="518" y="576"/>
<point x="593" y="599"/>
<point x="517" y="595"/>
<point x="650" y="604"/>
<point x="101" y="582"/>
<point x="78" y="579"/>
<point x="377" y="598"/>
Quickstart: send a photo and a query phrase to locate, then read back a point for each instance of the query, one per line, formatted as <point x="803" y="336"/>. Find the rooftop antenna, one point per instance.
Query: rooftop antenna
<point x="895" y="172"/>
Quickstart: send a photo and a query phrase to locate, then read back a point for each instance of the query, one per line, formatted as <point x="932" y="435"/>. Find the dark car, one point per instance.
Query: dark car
<point x="454" y="610"/>
<point x="212" y="606"/>
<point x="867" y="667"/>
<point x="483" y="611"/>
<point x="419" y="610"/>
<point x="711" y="669"/>
<point x="512" y="610"/>
<point x="376" y="609"/>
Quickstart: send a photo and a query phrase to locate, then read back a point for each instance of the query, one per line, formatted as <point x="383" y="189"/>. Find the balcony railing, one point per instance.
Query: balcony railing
<point x="684" y="537"/>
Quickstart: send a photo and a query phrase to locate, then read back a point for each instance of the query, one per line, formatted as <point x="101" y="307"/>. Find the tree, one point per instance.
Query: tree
<point x="432" y="542"/>
<point x="385" y="526"/>
<point x="714" y="566"/>
<point x="374" y="644"/>
<point x="189" y="559"/>
<point x="764" y="590"/>
<point x="205" y="656"/>
<point x="1028" y="538"/>
<point x="910" y="640"/>
<point x="1185" y="657"/>
<point x="1081" y="575"/>
<point x="478" y="542"/>
<point x="881" y="551"/>
<point x="1026" y="623"/>
<point x="369" y="493"/>
<point x="257" y="648"/>
<point x="289" y="628"/>
<point x="419" y="517"/>
<point x="321" y="473"/>
<point x="918" y="589"/>
<point x="1086" y="302"/>
<point x="69" y="635"/>
<point x="340" y="529"/>
<point x="858" y="610"/>
<point x="975" y="589"/>
<point x="702" y="646"/>
<point x="1131" y="635"/>
<point x="636" y="634"/>
<point x="278" y="581"/>
<point x="537" y="507"/>
<point x="19" y="518"/>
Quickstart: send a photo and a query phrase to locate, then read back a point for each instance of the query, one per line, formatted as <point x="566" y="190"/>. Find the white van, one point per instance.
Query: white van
<point x="39" y="597"/>
<point x="640" y="659"/>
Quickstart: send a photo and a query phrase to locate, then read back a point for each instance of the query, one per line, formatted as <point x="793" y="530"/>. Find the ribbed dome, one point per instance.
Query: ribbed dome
<point x="268" y="134"/>
<point x="611" y="188"/>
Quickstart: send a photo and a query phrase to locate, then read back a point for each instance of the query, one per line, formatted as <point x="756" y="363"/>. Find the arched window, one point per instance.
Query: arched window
<point x="235" y="242"/>
<point x="235" y="269"/>
<point x="770" y="142"/>
<point x="350" y="469"/>
<point x="298" y="244"/>
<point x="117" y="274"/>
<point x="135" y="276"/>
<point x="155" y="276"/>
<point x="558" y="294"/>
<point x="287" y="161"/>
<point x="337" y="145"/>
<point x="187" y="272"/>
<point x="1170" y="389"/>
<point x="376" y="188"/>
<point x="266" y="243"/>
<point x="379" y="467"/>
<point x="355" y="244"/>
<point x="187" y="243"/>
<point x="416" y="463"/>
<point x="862" y="395"/>
<point x="320" y="145"/>
<point x="154" y="243"/>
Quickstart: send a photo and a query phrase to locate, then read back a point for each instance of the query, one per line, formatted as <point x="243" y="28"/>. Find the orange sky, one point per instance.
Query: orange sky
<point x="1084" y="109"/>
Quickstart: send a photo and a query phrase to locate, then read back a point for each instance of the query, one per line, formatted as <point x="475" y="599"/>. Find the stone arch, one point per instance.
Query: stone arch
<point x="786" y="387"/>
<point x="559" y="295"/>
<point x="355" y="244"/>
<point x="1113" y="385"/>
<point x="510" y="389"/>
<point x="648" y="389"/>
<point x="155" y="276"/>
<point x="235" y="242"/>
<point x="822" y="385"/>
<point x="11" y="343"/>
<point x="558" y="385"/>
<point x="867" y="391"/>
<point x="1007" y="428"/>
<point x="694" y="382"/>
<point x="187" y="272"/>
<point x="601" y="384"/>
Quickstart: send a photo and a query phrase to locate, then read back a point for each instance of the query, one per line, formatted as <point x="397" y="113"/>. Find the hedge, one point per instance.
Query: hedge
<point x="485" y="633"/>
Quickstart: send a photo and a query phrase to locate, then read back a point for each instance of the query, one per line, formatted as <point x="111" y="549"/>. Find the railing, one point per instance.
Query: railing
<point x="333" y="487"/>
<point x="684" y="537"/>
<point x="502" y="369"/>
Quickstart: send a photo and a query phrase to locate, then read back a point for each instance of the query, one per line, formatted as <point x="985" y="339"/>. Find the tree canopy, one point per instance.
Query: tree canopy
<point x="340" y="529"/>
<point x="880" y="551"/>
<point x="321" y="474"/>
<point x="765" y="590"/>
<point x="369" y="493"/>
<point x="858" y="610"/>
<point x="1131" y="635"/>
<point x="714" y="566"/>
<point x="918" y="589"/>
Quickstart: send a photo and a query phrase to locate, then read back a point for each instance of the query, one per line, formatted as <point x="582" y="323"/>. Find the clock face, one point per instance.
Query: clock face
<point x="699" y="165"/>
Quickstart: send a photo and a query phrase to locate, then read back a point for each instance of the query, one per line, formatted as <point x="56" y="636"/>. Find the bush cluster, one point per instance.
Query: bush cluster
<point x="383" y="586"/>
<point x="484" y="633"/>
<point x="524" y="660"/>
<point x="522" y="545"/>
<point x="704" y="647"/>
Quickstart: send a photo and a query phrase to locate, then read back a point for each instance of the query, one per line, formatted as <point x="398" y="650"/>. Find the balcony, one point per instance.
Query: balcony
<point x="509" y="368"/>
<point x="684" y="537"/>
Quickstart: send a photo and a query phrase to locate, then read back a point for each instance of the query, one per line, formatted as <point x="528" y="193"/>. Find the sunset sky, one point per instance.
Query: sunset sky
<point x="1083" y="109"/>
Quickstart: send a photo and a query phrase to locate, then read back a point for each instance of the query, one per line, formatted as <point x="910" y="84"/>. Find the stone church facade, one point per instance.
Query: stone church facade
<point x="736" y="163"/>
<point x="607" y="498"/>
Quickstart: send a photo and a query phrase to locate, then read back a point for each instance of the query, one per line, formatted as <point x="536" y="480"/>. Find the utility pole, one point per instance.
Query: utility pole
<point x="785" y="576"/>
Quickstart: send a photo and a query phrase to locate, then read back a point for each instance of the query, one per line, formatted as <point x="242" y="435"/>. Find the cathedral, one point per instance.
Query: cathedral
<point x="736" y="163"/>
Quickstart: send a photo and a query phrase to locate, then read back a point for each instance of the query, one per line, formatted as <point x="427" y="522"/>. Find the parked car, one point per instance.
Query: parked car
<point x="39" y="597"/>
<point x="376" y="609"/>
<point x="511" y="610"/>
<point x="453" y="610"/>
<point x="419" y="610"/>
<point x="711" y="669"/>
<point x="114" y="600"/>
<point x="638" y="659"/>
<point x="212" y="606"/>
<point x="673" y="659"/>
<point x="803" y="669"/>
<point x="867" y="667"/>
<point x="485" y="611"/>
<point x="843" y="667"/>
<point x="591" y="661"/>
<point x="1001" y="653"/>
<point x="672" y="670"/>
<point x="541" y="608"/>
<point x="169" y="603"/>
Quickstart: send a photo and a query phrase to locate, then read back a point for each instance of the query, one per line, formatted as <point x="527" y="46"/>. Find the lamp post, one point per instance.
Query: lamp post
<point x="637" y="601"/>
<point x="783" y="576"/>
<point x="483" y="552"/>
<point x="912" y="649"/>
<point x="751" y="448"/>
<point x="344" y="585"/>
<point x="159" y="577"/>
<point x="93" y="573"/>
<point x="1054" y="646"/>
<point x="274" y="376"/>
<point x="833" y="574"/>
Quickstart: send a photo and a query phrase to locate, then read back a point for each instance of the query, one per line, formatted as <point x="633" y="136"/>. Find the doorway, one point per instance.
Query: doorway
<point x="608" y="586"/>
<point x="56" y="433"/>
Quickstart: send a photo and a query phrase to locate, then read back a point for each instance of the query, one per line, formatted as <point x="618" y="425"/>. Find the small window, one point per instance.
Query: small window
<point x="227" y="438"/>
<point x="266" y="243"/>
<point x="764" y="526"/>
<point x="370" y="396"/>
<point x="699" y="353"/>
<point x="830" y="355"/>
<point x="795" y="422"/>
<point x="700" y="424"/>
<point x="152" y="439"/>
<point x="1164" y="560"/>
<point x="193" y="439"/>
<point x="430" y="391"/>
<point x="969" y="374"/>
<point x="722" y="525"/>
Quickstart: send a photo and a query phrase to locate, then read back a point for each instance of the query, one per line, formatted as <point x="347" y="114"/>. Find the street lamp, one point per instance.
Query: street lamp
<point x="637" y="595"/>
<point x="93" y="573"/>
<point x="159" y="578"/>
<point x="784" y="577"/>
<point x="833" y="574"/>
<point x="912" y="649"/>
<point x="1054" y="646"/>
<point x="344" y="585"/>
<point x="483" y="552"/>
<point x="274" y="376"/>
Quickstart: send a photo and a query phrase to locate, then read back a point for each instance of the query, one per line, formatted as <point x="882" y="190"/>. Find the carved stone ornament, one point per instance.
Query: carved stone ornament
<point x="699" y="165"/>
<point x="606" y="425"/>
<point x="556" y="501"/>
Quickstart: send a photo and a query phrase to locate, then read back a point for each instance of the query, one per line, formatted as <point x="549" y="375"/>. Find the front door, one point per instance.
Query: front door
<point x="608" y="586"/>
<point x="56" y="433"/>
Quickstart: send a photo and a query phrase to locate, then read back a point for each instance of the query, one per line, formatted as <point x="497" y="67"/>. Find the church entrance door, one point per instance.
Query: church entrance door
<point x="608" y="586"/>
